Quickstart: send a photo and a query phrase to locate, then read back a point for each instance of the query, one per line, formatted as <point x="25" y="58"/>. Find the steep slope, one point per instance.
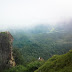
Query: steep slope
<point x="58" y="63"/>
<point x="6" y="57"/>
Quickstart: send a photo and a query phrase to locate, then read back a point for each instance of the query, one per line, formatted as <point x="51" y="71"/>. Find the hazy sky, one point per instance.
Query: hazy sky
<point x="30" y="12"/>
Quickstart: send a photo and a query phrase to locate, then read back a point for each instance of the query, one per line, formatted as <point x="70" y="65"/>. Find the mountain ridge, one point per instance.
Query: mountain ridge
<point x="58" y="63"/>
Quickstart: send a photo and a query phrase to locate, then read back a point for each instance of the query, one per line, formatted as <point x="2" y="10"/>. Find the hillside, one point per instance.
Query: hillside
<point x="42" y="44"/>
<point x="58" y="63"/>
<point x="43" y="41"/>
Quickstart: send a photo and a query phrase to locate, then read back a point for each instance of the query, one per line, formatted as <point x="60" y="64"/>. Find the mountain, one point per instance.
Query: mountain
<point x="58" y="63"/>
<point x="43" y="40"/>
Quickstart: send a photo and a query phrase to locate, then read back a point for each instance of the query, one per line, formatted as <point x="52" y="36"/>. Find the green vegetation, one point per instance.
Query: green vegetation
<point x="18" y="68"/>
<point x="45" y="42"/>
<point x="22" y="65"/>
<point x="34" y="65"/>
<point x="44" y="45"/>
<point x="31" y="67"/>
<point x="58" y="63"/>
<point x="19" y="59"/>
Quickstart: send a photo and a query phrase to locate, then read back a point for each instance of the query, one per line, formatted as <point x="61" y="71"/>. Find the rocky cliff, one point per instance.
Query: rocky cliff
<point x="6" y="57"/>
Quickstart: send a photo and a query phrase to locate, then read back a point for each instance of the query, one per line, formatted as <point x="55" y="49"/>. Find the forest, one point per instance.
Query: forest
<point x="43" y="41"/>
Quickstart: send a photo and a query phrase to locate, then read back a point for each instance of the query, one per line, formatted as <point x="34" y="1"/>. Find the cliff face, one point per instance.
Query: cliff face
<point x="6" y="57"/>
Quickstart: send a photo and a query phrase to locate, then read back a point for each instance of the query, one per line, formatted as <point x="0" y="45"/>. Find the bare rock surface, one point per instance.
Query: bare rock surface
<point x="6" y="54"/>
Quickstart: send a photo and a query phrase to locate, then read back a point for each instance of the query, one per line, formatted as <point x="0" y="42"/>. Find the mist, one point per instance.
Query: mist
<point x="29" y="13"/>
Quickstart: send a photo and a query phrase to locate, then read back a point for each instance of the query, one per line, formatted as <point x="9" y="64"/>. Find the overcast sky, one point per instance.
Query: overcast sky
<point x="30" y="12"/>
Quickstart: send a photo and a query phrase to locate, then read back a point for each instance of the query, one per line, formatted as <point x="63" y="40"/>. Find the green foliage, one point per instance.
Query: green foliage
<point x="19" y="59"/>
<point x="44" y="45"/>
<point x="43" y="41"/>
<point x="58" y="63"/>
<point x="34" y="65"/>
<point x="31" y="67"/>
<point x="18" y="68"/>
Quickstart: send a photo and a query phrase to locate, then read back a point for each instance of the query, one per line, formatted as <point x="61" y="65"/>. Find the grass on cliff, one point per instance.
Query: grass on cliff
<point x="58" y="63"/>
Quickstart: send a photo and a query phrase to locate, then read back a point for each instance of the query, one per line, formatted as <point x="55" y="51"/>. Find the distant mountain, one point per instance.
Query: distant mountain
<point x="43" y="40"/>
<point x="58" y="63"/>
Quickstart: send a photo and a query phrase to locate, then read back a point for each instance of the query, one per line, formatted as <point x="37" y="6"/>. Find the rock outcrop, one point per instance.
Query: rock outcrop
<point x="6" y="54"/>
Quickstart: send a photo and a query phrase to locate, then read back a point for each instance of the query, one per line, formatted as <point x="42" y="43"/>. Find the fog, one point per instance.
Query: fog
<point x="28" y="13"/>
